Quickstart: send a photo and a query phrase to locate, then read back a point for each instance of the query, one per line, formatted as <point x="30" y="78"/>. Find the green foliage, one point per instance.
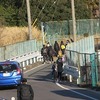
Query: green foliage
<point x="14" y="12"/>
<point x="86" y="34"/>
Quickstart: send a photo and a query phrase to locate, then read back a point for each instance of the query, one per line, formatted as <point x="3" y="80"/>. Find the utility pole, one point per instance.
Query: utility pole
<point x="73" y="20"/>
<point x="42" y="27"/>
<point x="29" y="19"/>
<point x="99" y="15"/>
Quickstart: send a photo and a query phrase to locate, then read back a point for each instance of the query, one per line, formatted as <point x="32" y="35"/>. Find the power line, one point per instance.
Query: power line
<point x="55" y="9"/>
<point x="55" y="2"/>
<point x="39" y="13"/>
<point x="37" y="7"/>
<point x="43" y="9"/>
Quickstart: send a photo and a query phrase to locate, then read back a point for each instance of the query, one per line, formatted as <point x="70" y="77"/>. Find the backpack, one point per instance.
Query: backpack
<point x="51" y="52"/>
<point x="60" y="53"/>
<point x="62" y="46"/>
<point x="25" y="92"/>
<point x="44" y="51"/>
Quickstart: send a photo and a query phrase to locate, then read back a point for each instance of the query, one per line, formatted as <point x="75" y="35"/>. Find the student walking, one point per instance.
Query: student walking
<point x="54" y="71"/>
<point x="56" y="48"/>
<point x="59" y="68"/>
<point x="25" y="91"/>
<point x="62" y="47"/>
<point x="44" y="51"/>
<point x="51" y="53"/>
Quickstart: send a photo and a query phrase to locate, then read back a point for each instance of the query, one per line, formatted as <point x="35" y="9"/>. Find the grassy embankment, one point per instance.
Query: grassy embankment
<point x="11" y="35"/>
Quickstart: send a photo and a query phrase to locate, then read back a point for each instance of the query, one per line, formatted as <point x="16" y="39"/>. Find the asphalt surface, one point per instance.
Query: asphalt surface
<point x="45" y="88"/>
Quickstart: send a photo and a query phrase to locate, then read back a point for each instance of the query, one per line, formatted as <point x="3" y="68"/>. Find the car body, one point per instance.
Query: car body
<point x="10" y="73"/>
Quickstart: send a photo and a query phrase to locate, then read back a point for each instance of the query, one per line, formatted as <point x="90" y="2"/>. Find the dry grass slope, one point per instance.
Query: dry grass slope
<point x="11" y="35"/>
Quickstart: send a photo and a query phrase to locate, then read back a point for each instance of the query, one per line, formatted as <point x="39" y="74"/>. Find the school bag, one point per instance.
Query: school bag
<point x="44" y="51"/>
<point x="62" y="46"/>
<point x="25" y="92"/>
<point x="60" y="53"/>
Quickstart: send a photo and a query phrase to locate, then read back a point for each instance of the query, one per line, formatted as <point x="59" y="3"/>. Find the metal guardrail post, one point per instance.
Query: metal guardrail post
<point x="86" y="68"/>
<point x="78" y="63"/>
<point x="93" y="70"/>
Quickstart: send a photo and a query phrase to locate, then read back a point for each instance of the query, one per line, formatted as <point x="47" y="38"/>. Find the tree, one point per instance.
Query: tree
<point x="15" y="14"/>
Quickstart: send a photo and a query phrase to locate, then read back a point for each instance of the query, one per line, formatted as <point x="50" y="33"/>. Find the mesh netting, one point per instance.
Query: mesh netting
<point x="90" y="26"/>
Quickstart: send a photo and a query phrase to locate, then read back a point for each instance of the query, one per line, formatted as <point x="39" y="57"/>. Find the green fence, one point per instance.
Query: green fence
<point x="53" y="38"/>
<point x="19" y="49"/>
<point x="86" y="65"/>
<point x="85" y="45"/>
<point x="81" y="54"/>
<point x="90" y="26"/>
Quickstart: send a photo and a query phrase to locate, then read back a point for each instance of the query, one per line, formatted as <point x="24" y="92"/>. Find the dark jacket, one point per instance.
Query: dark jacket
<point x="51" y="51"/>
<point x="59" y="65"/>
<point x="20" y="92"/>
<point x="56" y="46"/>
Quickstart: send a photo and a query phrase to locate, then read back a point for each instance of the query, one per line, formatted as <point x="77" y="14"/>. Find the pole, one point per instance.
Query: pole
<point x="42" y="27"/>
<point x="73" y="19"/>
<point x="99" y="16"/>
<point x="29" y="19"/>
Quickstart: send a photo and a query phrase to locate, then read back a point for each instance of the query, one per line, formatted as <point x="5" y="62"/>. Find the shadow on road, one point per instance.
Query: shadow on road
<point x="8" y="88"/>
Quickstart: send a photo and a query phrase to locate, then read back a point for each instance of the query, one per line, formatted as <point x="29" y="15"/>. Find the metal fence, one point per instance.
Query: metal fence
<point x="86" y="65"/>
<point x="97" y="49"/>
<point x="90" y="26"/>
<point x="53" y="38"/>
<point x="81" y="54"/>
<point x="19" y="49"/>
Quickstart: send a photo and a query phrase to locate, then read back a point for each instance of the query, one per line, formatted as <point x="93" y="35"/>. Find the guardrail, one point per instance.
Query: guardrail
<point x="28" y="58"/>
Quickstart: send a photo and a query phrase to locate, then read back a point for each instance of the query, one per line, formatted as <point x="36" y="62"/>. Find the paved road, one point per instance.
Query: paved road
<point x="45" y="89"/>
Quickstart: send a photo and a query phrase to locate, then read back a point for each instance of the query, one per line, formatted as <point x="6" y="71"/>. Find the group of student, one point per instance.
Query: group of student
<point x="57" y="50"/>
<point x="48" y="51"/>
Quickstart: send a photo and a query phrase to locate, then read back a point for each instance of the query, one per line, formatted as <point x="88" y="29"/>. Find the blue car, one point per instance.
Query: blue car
<point x="10" y="73"/>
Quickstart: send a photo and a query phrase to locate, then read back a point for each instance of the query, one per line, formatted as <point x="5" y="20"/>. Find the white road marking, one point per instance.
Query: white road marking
<point x="75" y="92"/>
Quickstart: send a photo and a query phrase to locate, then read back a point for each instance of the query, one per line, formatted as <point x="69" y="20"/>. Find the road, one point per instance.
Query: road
<point x="45" y="89"/>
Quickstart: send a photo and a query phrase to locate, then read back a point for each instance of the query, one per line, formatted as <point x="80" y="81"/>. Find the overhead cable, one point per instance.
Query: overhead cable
<point x="39" y="13"/>
<point x="55" y="2"/>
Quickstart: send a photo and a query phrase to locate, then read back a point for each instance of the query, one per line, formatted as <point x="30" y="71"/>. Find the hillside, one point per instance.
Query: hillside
<point x="11" y="35"/>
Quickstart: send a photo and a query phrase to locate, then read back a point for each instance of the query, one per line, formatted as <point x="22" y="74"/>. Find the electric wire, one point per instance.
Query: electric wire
<point x="39" y="13"/>
<point x="37" y="7"/>
<point x="55" y="2"/>
<point x="55" y="10"/>
<point x="51" y="7"/>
